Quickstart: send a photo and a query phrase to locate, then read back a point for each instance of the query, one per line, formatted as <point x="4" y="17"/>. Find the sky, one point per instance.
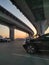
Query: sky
<point x="11" y="8"/>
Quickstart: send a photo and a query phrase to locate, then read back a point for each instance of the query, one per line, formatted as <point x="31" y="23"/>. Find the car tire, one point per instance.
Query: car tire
<point x="30" y="49"/>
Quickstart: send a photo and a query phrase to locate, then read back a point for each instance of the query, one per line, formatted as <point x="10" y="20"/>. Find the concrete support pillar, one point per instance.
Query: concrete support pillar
<point x="41" y="31"/>
<point x="30" y="35"/>
<point x="41" y="27"/>
<point x="11" y="33"/>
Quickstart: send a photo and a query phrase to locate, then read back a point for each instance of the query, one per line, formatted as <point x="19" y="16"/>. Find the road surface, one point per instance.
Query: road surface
<point x="12" y="53"/>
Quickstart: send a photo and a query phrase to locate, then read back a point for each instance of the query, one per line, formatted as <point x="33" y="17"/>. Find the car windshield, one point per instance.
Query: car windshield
<point x="45" y="35"/>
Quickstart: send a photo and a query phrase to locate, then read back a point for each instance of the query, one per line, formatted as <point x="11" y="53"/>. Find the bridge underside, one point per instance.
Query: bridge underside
<point x="8" y="19"/>
<point x="37" y="11"/>
<point x="6" y="23"/>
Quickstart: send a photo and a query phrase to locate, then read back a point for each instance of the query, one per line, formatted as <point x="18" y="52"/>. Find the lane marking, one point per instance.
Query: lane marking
<point x="28" y="56"/>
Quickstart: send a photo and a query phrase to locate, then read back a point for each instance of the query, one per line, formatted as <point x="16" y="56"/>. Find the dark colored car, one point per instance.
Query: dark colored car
<point x="5" y="39"/>
<point x="39" y="44"/>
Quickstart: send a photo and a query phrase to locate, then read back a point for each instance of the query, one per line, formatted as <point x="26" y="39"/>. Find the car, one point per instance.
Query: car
<point x="8" y="39"/>
<point x="35" y="45"/>
<point x="5" y="39"/>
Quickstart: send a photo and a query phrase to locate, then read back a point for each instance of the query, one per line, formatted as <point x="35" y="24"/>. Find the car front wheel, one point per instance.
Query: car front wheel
<point x="30" y="49"/>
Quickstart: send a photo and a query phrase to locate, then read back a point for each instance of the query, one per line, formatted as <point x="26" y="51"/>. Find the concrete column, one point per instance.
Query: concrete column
<point x="30" y="36"/>
<point x="41" y="27"/>
<point x="11" y="33"/>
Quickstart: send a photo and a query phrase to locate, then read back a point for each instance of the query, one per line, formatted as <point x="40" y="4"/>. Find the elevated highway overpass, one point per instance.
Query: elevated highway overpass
<point x="6" y="18"/>
<point x="37" y="11"/>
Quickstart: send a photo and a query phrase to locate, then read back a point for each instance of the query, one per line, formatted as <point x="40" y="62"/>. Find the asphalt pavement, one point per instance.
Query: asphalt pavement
<point x="13" y="53"/>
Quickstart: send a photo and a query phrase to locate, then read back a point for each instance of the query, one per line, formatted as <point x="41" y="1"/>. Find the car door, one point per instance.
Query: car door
<point x="45" y="43"/>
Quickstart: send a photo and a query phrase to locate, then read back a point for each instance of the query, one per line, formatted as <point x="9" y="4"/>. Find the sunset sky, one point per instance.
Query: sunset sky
<point x="4" y="31"/>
